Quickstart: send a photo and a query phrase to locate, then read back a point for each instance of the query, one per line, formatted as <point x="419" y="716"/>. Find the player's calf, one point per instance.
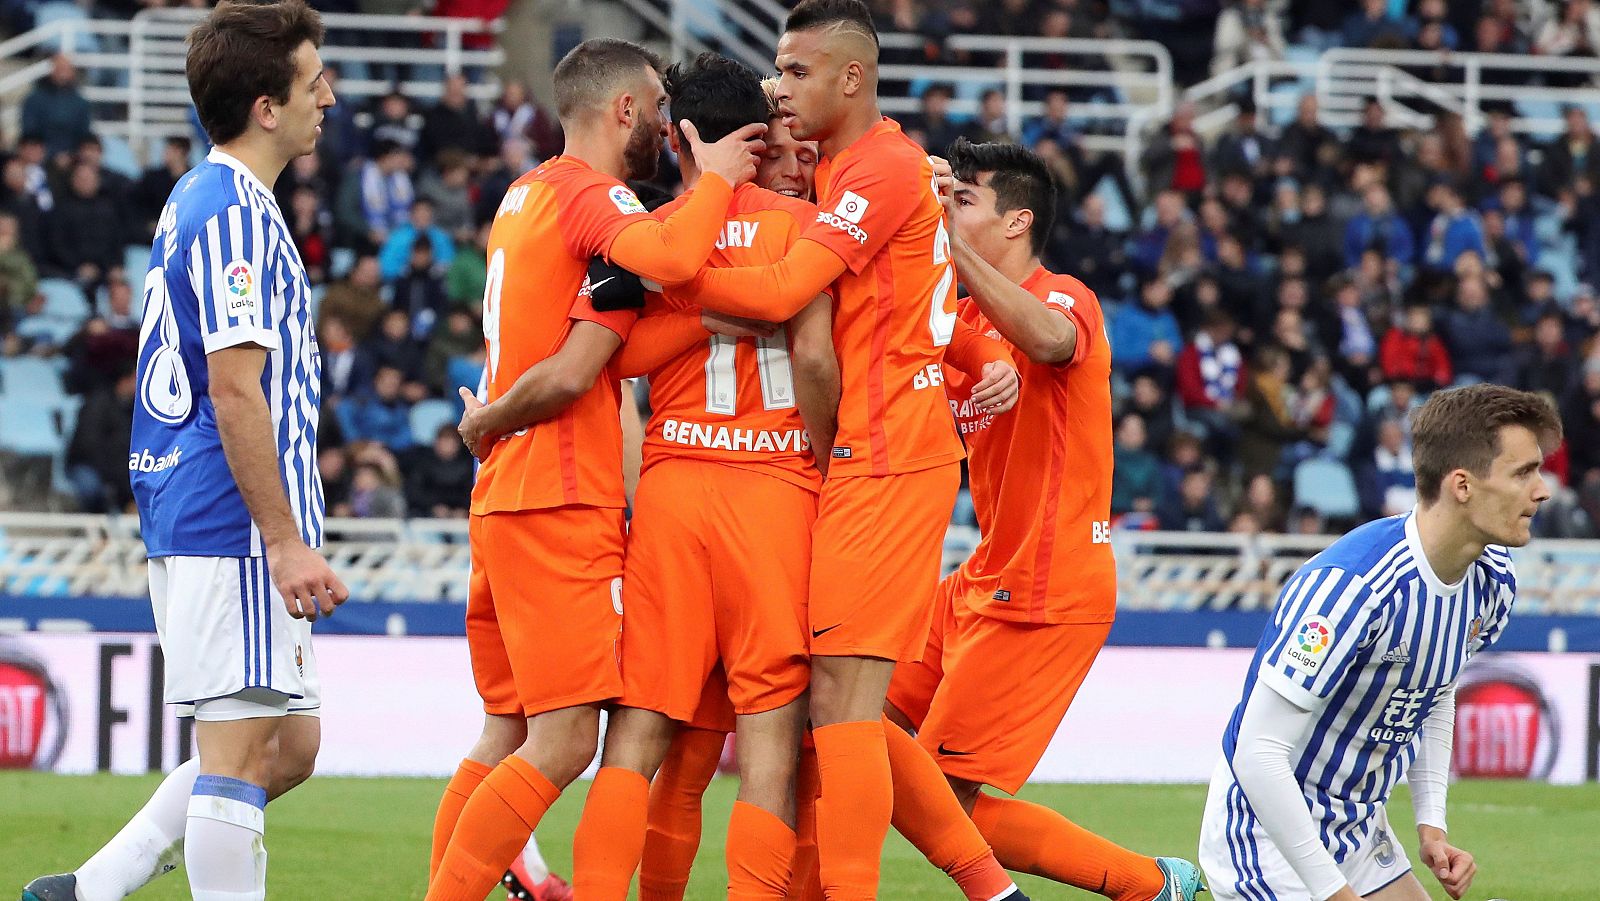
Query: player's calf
<point x="561" y="743"/>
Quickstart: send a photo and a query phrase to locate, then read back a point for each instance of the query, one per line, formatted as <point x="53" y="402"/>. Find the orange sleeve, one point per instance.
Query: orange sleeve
<point x="673" y="250"/>
<point x="773" y="293"/>
<point x="656" y="340"/>
<point x="969" y="351"/>
<point x="867" y="201"/>
<point x="1084" y="314"/>
<point x="619" y="321"/>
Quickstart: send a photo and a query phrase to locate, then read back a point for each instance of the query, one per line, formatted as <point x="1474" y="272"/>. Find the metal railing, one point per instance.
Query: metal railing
<point x="132" y="71"/>
<point x="425" y="560"/>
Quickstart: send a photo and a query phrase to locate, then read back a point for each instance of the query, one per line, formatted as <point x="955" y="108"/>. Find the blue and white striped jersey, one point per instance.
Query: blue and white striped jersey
<point x="223" y="272"/>
<point x="1366" y="636"/>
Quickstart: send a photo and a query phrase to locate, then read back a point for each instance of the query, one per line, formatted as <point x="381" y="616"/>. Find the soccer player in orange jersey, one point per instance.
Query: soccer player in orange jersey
<point x="879" y="237"/>
<point x="1017" y="627"/>
<point x="546" y="531"/>
<point x="720" y="538"/>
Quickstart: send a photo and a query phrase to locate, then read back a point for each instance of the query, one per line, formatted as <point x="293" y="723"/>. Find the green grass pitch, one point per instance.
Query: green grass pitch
<point x="368" y="838"/>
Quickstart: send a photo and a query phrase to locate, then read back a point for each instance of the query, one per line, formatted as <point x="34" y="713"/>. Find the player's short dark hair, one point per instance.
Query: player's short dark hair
<point x="595" y="70"/>
<point x="1019" y="178"/>
<point x="1459" y="428"/>
<point x="245" y="50"/>
<point x="810" y="15"/>
<point x="717" y="95"/>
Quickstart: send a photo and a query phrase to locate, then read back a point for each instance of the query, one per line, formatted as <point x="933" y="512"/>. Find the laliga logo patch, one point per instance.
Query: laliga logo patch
<point x="625" y="201"/>
<point x="239" y="280"/>
<point x="1309" y="642"/>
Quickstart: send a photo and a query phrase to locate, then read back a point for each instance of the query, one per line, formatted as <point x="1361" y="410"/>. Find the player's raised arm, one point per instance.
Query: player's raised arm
<point x="817" y="383"/>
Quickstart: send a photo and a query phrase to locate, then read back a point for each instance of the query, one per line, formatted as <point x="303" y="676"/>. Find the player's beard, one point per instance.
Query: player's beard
<point x="642" y="154"/>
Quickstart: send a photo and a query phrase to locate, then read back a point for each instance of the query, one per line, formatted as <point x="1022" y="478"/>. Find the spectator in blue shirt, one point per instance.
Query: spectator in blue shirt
<point x="1372" y="23"/>
<point x="386" y="191"/>
<point x="1053" y="123"/>
<point x="1378" y="227"/>
<point x="395" y="256"/>
<point x="1453" y="231"/>
<point x="1521" y="228"/>
<point x="1479" y="343"/>
<point x="1146" y="332"/>
<point x="381" y="415"/>
<point x="56" y="111"/>
<point x="1148" y="245"/>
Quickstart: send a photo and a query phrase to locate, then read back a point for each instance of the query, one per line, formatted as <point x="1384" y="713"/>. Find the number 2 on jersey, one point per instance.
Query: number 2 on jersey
<point x="772" y="367"/>
<point x="942" y="322"/>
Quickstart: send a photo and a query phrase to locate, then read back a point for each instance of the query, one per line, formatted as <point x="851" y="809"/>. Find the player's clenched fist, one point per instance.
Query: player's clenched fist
<point x="1453" y="867"/>
<point x="997" y="391"/>
<point x="305" y="580"/>
<point x="734" y="157"/>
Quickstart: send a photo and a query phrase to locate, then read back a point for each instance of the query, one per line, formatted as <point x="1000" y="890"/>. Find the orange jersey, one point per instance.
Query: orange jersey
<point x="731" y="400"/>
<point x="895" y="304"/>
<point x="552" y="221"/>
<point x="1041" y="476"/>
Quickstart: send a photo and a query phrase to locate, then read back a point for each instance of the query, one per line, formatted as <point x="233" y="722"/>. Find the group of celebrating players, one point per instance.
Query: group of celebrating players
<point x="813" y="378"/>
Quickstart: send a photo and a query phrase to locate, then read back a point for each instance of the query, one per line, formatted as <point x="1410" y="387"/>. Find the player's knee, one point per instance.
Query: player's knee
<point x="638" y="740"/>
<point x="562" y="744"/>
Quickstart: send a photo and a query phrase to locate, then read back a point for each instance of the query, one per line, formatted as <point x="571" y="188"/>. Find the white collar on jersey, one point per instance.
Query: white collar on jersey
<point x="1424" y="566"/>
<point x="232" y="162"/>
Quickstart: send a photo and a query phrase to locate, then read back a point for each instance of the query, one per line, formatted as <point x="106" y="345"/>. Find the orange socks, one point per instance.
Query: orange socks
<point x="672" y="835"/>
<point x="494" y="825"/>
<point x="805" y="884"/>
<point x="1034" y="839"/>
<point x="469" y="775"/>
<point x="760" y="851"/>
<point x="854" y="810"/>
<point x="610" y="837"/>
<point x="927" y="813"/>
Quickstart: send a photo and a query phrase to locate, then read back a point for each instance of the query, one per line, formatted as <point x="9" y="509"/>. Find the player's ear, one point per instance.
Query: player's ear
<point x="1021" y="221"/>
<point x="674" y="137"/>
<point x="854" y="76"/>
<point x="624" y="109"/>
<point x="1458" y="484"/>
<point x="264" y="112"/>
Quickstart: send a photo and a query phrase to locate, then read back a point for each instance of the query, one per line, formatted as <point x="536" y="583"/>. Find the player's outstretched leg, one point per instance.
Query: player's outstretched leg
<point x="928" y="814"/>
<point x="1031" y="838"/>
<point x="610" y="837"/>
<point x="672" y="830"/>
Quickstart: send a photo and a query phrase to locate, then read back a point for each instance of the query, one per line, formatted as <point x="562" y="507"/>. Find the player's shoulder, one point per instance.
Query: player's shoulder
<point x="1373" y="553"/>
<point x="886" y="153"/>
<point x="1496" y="564"/>
<point x="572" y="178"/>
<point x="1064" y="291"/>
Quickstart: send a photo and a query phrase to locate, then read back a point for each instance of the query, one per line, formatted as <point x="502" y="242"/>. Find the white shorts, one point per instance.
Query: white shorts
<point x="1242" y="864"/>
<point x="225" y="634"/>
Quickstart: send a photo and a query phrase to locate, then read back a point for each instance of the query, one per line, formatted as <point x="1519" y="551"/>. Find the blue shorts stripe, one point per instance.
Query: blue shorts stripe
<point x="267" y="613"/>
<point x="230" y="788"/>
<point x="244" y="617"/>
<point x="1235" y="851"/>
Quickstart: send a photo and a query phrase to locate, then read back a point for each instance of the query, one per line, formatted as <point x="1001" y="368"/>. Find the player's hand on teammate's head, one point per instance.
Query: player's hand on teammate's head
<point x="1453" y="867"/>
<point x="306" y="582"/>
<point x="736" y="326"/>
<point x="999" y="388"/>
<point x="734" y="157"/>
<point x="472" y="428"/>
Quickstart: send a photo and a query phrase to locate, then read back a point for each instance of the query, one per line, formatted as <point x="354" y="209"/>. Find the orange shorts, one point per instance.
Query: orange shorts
<point x="988" y="694"/>
<point x="544" y="608"/>
<point x="717" y="564"/>
<point x="875" y="561"/>
<point x="715" y="711"/>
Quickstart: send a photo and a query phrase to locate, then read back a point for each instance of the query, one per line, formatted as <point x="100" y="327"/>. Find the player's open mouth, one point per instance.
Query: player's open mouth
<point x="789" y="192"/>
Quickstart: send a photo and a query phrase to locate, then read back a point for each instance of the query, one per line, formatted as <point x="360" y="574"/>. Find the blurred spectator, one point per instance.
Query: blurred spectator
<point x="419" y="291"/>
<point x="357" y="300"/>
<point x="1573" y="32"/>
<point x="1378" y="227"/>
<point x="1090" y="250"/>
<point x="1136" y="474"/>
<point x="1453" y="231"/>
<point x="1548" y="364"/>
<point x="92" y="152"/>
<point x="333" y="466"/>
<point x="511" y="165"/>
<point x="990" y="124"/>
<point x="395" y="257"/>
<point x="392" y="123"/>
<point x="1052" y="123"/>
<point x="1151" y="244"/>
<point x="1386" y="482"/>
<point x="341" y="140"/>
<point x="19" y="279"/>
<point x="517" y="117"/>
<point x="374" y="493"/>
<point x="345" y="369"/>
<point x="1317" y="234"/>
<point x="1307" y="521"/>
<point x="36" y="171"/>
<point x="381" y="415"/>
<point x="18" y="202"/>
<point x="311" y="227"/>
<point x="85" y="229"/>
<point x="1580" y="419"/>
<point x="1432" y="18"/>
<point x="149" y="194"/>
<point x="449" y="189"/>
<point x="468" y="274"/>
<point x="454" y="124"/>
<point x="1306" y="141"/>
<point x="1372" y="25"/>
<point x="1194" y="509"/>
<point x="1246" y="32"/>
<point x="1146" y="333"/>
<point x="1479" y="343"/>
<point x="439" y="477"/>
<point x="1520" y="224"/>
<point x="1176" y="157"/>
<point x="1266" y="427"/>
<point x="1261" y="503"/>
<point x="1412" y="352"/>
<point x="1351" y="334"/>
<point x="460" y="337"/>
<point x="933" y="122"/>
<point x="97" y="455"/>
<point x="1373" y="141"/>
<point x="55" y="110"/>
<point x="1242" y="148"/>
<point x="386" y="192"/>
<point x="104" y="346"/>
<point x="1211" y="374"/>
<point x="1571" y="155"/>
<point x="1149" y="399"/>
<point x="394" y="347"/>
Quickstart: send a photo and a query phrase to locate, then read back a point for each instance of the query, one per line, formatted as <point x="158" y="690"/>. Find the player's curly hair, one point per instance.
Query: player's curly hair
<point x="244" y="51"/>
<point x="716" y="94"/>
<point x="1459" y="428"/>
<point x="1019" y="178"/>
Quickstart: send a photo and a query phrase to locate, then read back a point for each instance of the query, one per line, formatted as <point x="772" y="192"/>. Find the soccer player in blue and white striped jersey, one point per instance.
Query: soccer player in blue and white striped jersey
<point x="223" y="466"/>
<point x="1353" y="683"/>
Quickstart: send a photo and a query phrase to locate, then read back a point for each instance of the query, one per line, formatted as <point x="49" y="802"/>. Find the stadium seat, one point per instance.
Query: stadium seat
<point x="119" y="156"/>
<point x="63" y="299"/>
<point x="63" y="11"/>
<point x="427" y="417"/>
<point x="30" y="378"/>
<point x="30" y="427"/>
<point x="1327" y="487"/>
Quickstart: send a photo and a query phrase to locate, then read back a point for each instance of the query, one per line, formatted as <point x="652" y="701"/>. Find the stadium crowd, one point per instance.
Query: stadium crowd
<point x="1283" y="294"/>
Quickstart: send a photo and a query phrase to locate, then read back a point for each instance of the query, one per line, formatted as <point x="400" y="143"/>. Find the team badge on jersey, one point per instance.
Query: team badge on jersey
<point x="1309" y="642"/>
<point x="239" y="280"/>
<point x="852" y="207"/>
<point x="1061" y="299"/>
<point x="626" y="201"/>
